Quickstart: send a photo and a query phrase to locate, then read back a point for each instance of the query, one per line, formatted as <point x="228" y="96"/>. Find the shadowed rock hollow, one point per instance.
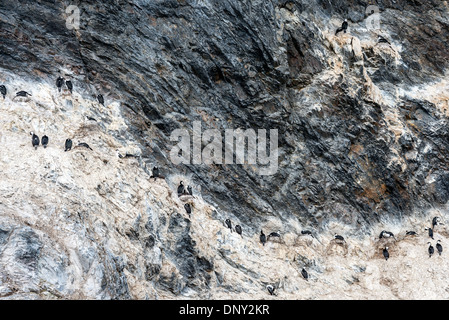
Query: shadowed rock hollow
<point x="363" y="146"/>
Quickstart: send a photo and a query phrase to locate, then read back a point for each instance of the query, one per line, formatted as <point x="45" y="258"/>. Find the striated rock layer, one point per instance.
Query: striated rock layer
<point x="363" y="145"/>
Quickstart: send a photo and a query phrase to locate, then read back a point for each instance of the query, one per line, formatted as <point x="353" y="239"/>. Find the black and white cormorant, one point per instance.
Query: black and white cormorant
<point x="44" y="141"/>
<point x="228" y="224"/>
<point x="439" y="247"/>
<point x="155" y="173"/>
<point x="181" y="188"/>
<point x="410" y="233"/>
<point x="3" y="91"/>
<point x="68" y="145"/>
<point x="386" y="253"/>
<point x="430" y="250"/>
<point x="386" y="234"/>
<point x="22" y="94"/>
<point x="100" y="99"/>
<point x="262" y="237"/>
<point x="274" y="234"/>
<point x="430" y="231"/>
<point x="85" y="145"/>
<point x="344" y="27"/>
<point x="238" y="229"/>
<point x="34" y="140"/>
<point x="304" y="274"/>
<point x="435" y="221"/>
<point x="69" y="85"/>
<point x="339" y="238"/>
<point x="189" y="189"/>
<point x="59" y="83"/>
<point x="188" y="208"/>
<point x="270" y="289"/>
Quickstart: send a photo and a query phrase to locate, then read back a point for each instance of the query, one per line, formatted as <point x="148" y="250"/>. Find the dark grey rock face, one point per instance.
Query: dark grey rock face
<point x="274" y="65"/>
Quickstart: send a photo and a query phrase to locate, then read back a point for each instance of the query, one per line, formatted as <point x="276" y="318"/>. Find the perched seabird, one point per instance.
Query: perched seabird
<point x="228" y="224"/>
<point x="68" y="145"/>
<point x="3" y="91"/>
<point x="22" y="94"/>
<point x="435" y="221"/>
<point x="386" y="254"/>
<point x="189" y="189"/>
<point x="381" y="39"/>
<point x="100" y="99"/>
<point x="181" y="188"/>
<point x="386" y="234"/>
<point x="344" y="27"/>
<point x="430" y="230"/>
<point x="270" y="289"/>
<point x="439" y="247"/>
<point x="127" y="155"/>
<point x="188" y="208"/>
<point x="306" y="232"/>
<point x="59" y="83"/>
<point x="339" y="238"/>
<point x="69" y="85"/>
<point x="410" y="233"/>
<point x="85" y="145"/>
<point x="155" y="173"/>
<point x="273" y="234"/>
<point x="44" y="141"/>
<point x="430" y="250"/>
<point x="238" y="229"/>
<point x="34" y="140"/>
<point x="304" y="274"/>
<point x="262" y="237"/>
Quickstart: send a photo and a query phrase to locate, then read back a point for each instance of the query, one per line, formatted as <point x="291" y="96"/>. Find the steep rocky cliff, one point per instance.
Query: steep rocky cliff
<point x="362" y="136"/>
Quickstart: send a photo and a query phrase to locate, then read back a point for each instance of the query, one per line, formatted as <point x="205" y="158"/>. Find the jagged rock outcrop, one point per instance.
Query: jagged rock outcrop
<point x="362" y="146"/>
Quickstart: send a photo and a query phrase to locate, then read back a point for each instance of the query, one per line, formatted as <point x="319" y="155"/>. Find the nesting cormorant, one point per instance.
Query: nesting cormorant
<point x="188" y="208"/>
<point x="181" y="188"/>
<point x="306" y="232"/>
<point x="274" y="234"/>
<point x="68" y="145"/>
<point x="386" y="253"/>
<point x="34" y="140"/>
<point x="410" y="233"/>
<point x="22" y="94"/>
<point x="304" y="274"/>
<point x="381" y="39"/>
<point x="339" y="238"/>
<point x="44" y="141"/>
<point x="238" y="229"/>
<point x="85" y="145"/>
<point x="100" y="99"/>
<point x="189" y="189"/>
<point x="430" y="250"/>
<point x="386" y="234"/>
<point x="228" y="224"/>
<point x="59" y="83"/>
<point x="439" y="247"/>
<point x="69" y="85"/>
<point x="262" y="237"/>
<point x="3" y="91"/>
<point x="270" y="289"/>
<point x="344" y="27"/>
